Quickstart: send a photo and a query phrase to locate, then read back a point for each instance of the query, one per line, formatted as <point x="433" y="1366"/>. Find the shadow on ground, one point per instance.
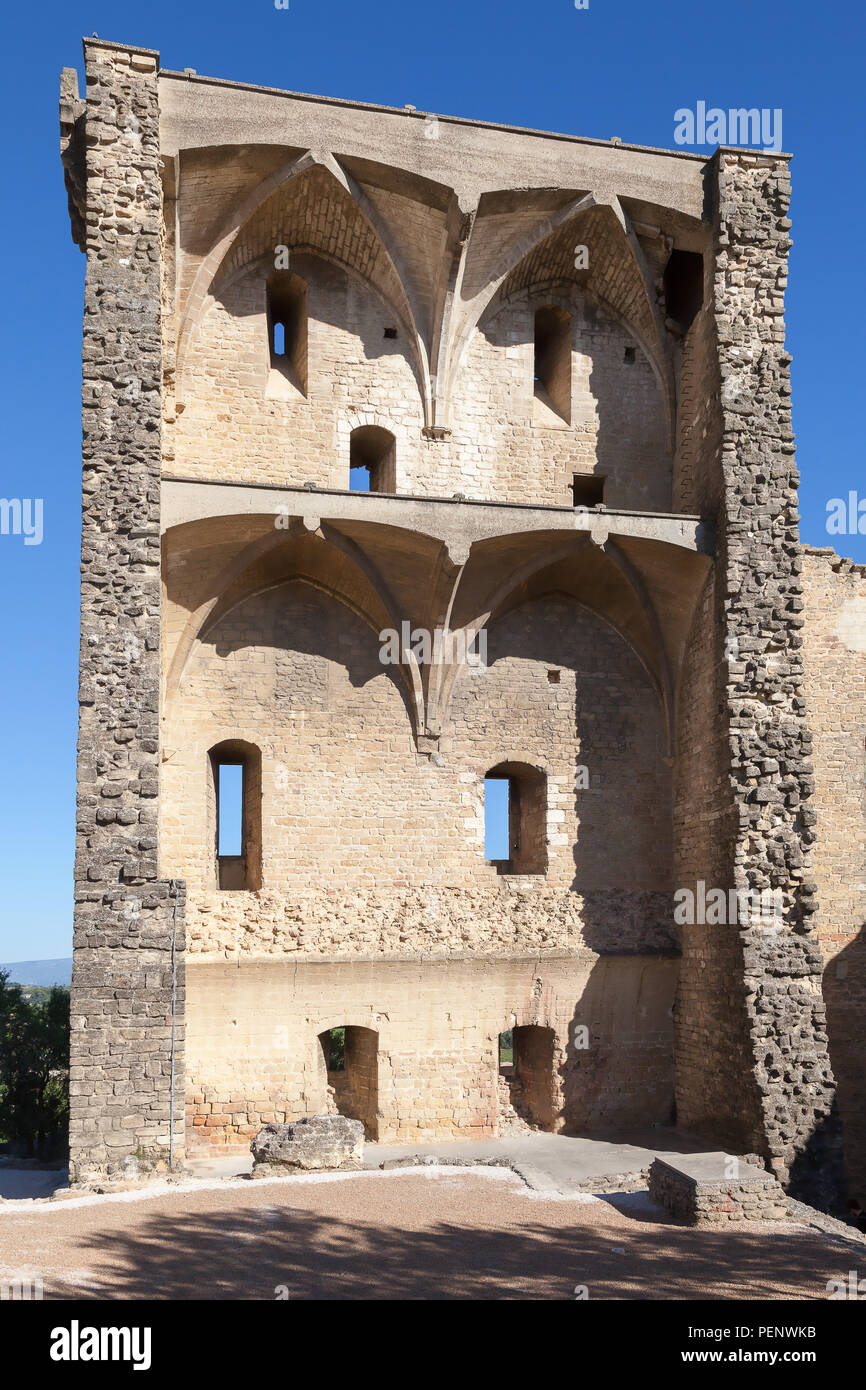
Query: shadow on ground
<point x="255" y="1251"/>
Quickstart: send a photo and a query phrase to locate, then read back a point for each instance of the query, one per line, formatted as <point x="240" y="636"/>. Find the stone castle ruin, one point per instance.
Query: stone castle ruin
<point x="348" y="368"/>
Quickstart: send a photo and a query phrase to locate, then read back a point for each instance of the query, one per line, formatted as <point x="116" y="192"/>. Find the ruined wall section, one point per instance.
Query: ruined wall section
<point x="254" y="1055"/>
<point x="124" y="914"/>
<point x="834" y="590"/>
<point x="711" y="1024"/>
<point x="770" y="742"/>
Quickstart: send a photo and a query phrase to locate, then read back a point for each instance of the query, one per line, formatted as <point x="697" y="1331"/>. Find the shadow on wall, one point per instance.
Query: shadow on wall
<point x="618" y="1069"/>
<point x="623" y="850"/>
<point x="620" y="400"/>
<point x="336" y="296"/>
<point x="297" y="621"/>
<point x="844" y="989"/>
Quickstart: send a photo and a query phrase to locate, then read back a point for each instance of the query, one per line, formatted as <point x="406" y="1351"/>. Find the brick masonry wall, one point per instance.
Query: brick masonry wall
<point x="124" y="914"/>
<point x="834" y="590"/>
<point x="397" y="838"/>
<point x="254" y="1055"/>
<point x="269" y="433"/>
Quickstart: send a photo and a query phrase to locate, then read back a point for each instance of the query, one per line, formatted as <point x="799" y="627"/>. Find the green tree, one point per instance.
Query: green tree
<point x="34" y="1070"/>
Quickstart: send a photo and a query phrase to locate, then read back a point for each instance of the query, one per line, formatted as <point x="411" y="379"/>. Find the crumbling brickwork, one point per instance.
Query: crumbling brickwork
<point x="753" y="672"/>
<point x="606" y="493"/>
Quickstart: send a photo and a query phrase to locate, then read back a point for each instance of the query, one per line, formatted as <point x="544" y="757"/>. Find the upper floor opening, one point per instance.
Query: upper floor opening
<point x="552" y="363"/>
<point x="515" y="818"/>
<point x="287" y="327"/>
<point x="235" y="803"/>
<point x="372" y="460"/>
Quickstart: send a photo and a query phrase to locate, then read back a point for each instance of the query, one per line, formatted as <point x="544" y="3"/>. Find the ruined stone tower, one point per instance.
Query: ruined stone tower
<point x="559" y="367"/>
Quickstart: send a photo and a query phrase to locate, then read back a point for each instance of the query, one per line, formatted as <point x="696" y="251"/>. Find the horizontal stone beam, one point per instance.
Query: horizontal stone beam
<point x="457" y="523"/>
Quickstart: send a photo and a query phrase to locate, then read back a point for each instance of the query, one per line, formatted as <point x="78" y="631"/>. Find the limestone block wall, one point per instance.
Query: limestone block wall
<point x="834" y="591"/>
<point x="254" y="1055"/>
<point x="268" y="431"/>
<point x="505" y="447"/>
<point x="125" y="971"/>
<point x="377" y="908"/>
<point x="397" y="839"/>
<point x="499" y="447"/>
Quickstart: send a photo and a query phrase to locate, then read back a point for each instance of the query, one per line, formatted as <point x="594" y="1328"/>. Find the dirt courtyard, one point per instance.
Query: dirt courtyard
<point x="436" y="1233"/>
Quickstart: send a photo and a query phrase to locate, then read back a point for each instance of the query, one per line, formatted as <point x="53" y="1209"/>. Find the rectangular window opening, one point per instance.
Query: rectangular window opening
<point x="587" y="490"/>
<point x="497" y="818"/>
<point x="230" y="810"/>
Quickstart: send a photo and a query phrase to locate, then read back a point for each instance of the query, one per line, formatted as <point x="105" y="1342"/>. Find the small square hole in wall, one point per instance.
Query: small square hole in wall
<point x="629" y="355"/>
<point x="553" y="677"/>
<point x="390" y="332"/>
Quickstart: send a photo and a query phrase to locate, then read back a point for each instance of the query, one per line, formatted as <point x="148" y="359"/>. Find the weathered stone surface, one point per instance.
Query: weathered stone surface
<point x="314" y="1143"/>
<point x="127" y="919"/>
<point x="651" y="692"/>
<point x="696" y="1190"/>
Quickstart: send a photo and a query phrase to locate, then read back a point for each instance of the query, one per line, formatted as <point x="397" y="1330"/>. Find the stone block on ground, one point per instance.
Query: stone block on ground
<point x="710" y="1188"/>
<point x="317" y="1143"/>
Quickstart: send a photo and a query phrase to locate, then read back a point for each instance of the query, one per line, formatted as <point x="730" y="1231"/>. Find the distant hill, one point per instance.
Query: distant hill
<point x="39" y="972"/>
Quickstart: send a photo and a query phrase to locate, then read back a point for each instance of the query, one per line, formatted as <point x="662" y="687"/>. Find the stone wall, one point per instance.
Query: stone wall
<point x="764" y="705"/>
<point x="125" y="914"/>
<point x="397" y="838"/>
<point x="499" y="448"/>
<point x="753" y="1196"/>
<point x="254" y="1055"/>
<point x="834" y="591"/>
<point x="372" y="826"/>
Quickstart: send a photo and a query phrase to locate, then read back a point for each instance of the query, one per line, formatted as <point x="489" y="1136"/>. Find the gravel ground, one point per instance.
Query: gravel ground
<point x="413" y="1234"/>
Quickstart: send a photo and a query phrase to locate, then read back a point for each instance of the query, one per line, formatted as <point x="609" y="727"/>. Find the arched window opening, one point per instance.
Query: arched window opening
<point x="552" y="360"/>
<point x="235" y="795"/>
<point x="515" y="818"/>
<point x="287" y="327"/>
<point x="351" y="1059"/>
<point x="372" y="460"/>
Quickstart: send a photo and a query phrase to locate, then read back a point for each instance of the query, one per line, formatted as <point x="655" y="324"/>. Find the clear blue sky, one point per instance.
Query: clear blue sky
<point x="619" y="68"/>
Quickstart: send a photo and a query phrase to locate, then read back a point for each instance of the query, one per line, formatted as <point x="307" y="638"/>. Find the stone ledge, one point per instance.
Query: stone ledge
<point x="696" y="1189"/>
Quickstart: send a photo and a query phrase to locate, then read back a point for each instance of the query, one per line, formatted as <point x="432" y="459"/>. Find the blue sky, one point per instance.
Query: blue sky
<point x="619" y="67"/>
